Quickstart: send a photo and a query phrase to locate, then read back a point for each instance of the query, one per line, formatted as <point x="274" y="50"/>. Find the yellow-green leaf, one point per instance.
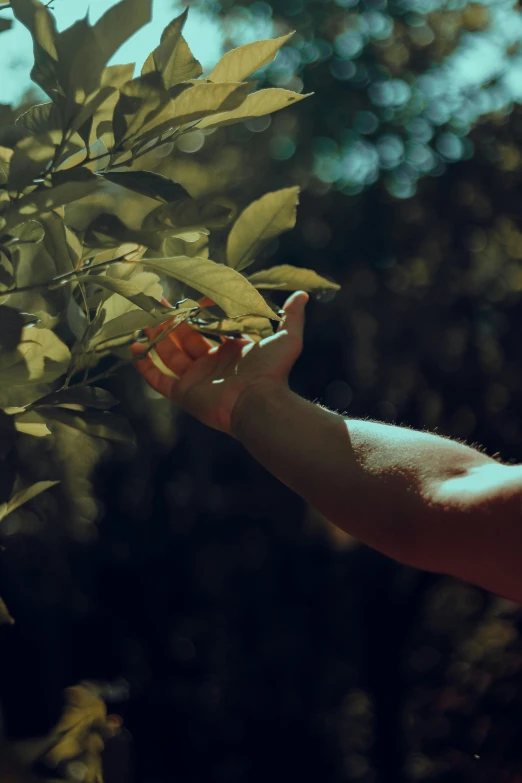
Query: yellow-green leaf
<point x="41" y="118"/>
<point x="291" y="278"/>
<point x="173" y="58"/>
<point x="261" y="221"/>
<point x="255" y="105"/>
<point x="148" y="183"/>
<point x="98" y="424"/>
<point x="239" y="63"/>
<point x="128" y="290"/>
<point x="40" y="357"/>
<point x="24" y="496"/>
<point x="40" y="23"/>
<point x="226" y="287"/>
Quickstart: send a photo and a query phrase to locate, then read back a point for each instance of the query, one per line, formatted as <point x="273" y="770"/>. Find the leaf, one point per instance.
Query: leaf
<point x="5" y="616"/>
<point x="89" y="396"/>
<point x="5" y="24"/>
<point x="173" y="58"/>
<point x="85" y="51"/>
<point x="119" y="23"/>
<point x="190" y="215"/>
<point x="255" y="105"/>
<point x="261" y="221"/>
<point x="42" y="27"/>
<point x="24" y="496"/>
<point x="239" y="63"/>
<point x="148" y="183"/>
<point x="11" y="325"/>
<point x="94" y="423"/>
<point x="291" y="278"/>
<point x="199" y="100"/>
<point x="41" y="118"/>
<point x="128" y="290"/>
<point x="40" y="357"/>
<point x="6" y="272"/>
<point x="30" y="423"/>
<point x="226" y="287"/>
<point x="30" y="232"/>
<point x="67" y="186"/>
<point x="140" y="100"/>
<point x="31" y="157"/>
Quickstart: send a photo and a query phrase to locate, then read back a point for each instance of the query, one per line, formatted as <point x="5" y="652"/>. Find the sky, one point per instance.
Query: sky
<point x="16" y="53"/>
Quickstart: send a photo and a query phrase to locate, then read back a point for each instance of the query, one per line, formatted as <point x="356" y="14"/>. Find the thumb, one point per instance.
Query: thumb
<point x="294" y="314"/>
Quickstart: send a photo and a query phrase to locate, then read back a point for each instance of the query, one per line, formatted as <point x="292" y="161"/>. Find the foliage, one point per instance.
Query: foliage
<point x="88" y="235"/>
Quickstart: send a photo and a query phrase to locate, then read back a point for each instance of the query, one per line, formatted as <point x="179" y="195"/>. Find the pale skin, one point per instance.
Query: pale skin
<point x="425" y="500"/>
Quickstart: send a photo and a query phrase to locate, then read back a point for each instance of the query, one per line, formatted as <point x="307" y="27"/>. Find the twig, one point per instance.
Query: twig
<point x="67" y="277"/>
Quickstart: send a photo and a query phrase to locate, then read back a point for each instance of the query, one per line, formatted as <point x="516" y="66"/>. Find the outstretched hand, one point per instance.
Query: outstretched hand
<point x="208" y="381"/>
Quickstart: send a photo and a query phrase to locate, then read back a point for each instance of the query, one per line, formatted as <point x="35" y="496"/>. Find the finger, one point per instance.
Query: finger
<point x="160" y="382"/>
<point x="172" y="356"/>
<point x="294" y="314"/>
<point x="193" y="343"/>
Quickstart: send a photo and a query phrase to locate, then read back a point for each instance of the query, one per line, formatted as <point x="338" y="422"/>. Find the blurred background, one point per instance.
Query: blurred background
<point x="250" y="640"/>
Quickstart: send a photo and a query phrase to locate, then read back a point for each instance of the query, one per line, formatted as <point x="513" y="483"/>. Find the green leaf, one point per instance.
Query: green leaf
<point x="5" y="24"/>
<point x="41" y="118"/>
<point x="93" y="423"/>
<point x="12" y="323"/>
<point x="67" y="186"/>
<point x="148" y="183"/>
<point x="239" y="63"/>
<point x="291" y="278"/>
<point x="173" y="58"/>
<point x="24" y="496"/>
<point x="260" y="222"/>
<point x="42" y="27"/>
<point x="85" y="51"/>
<point x="140" y="101"/>
<point x="128" y="290"/>
<point x="190" y="215"/>
<point x="89" y="396"/>
<point x="255" y="105"/>
<point x="30" y="232"/>
<point x="226" y="287"/>
<point x="6" y="272"/>
<point x="30" y="423"/>
<point x="30" y="159"/>
<point x="41" y="357"/>
<point x="119" y="23"/>
<point x="199" y="100"/>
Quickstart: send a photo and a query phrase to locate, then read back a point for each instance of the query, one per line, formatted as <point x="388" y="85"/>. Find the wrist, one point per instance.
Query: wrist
<point x="251" y="402"/>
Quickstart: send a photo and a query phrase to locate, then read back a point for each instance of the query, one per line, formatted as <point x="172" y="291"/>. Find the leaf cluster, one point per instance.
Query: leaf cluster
<point x="89" y="235"/>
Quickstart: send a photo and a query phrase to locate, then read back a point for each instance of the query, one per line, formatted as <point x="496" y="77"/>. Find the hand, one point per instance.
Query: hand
<point x="208" y="381"/>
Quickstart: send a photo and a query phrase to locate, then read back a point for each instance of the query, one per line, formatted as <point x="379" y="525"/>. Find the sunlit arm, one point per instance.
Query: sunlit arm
<point x="424" y="500"/>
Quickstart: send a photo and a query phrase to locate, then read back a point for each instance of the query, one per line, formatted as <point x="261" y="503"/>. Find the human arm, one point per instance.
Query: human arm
<point x="425" y="500"/>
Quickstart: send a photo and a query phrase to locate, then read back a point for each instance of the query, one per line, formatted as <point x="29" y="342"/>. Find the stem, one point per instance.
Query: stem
<point x="67" y="277"/>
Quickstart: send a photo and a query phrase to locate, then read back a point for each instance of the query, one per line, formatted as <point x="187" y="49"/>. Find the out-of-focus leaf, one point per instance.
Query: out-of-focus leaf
<point x="30" y="423"/>
<point x="67" y="186"/>
<point x="90" y="396"/>
<point x="78" y="734"/>
<point x="41" y="118"/>
<point x="40" y="23"/>
<point x="6" y="272"/>
<point x="5" y="24"/>
<point x="5" y="615"/>
<point x="173" y="58"/>
<point x="31" y="157"/>
<point x="40" y="357"/>
<point x="245" y="60"/>
<point x="291" y="278"/>
<point x="24" y="496"/>
<point x="260" y="222"/>
<point x="97" y="424"/>
<point x="190" y="215"/>
<point x="148" y="183"/>
<point x="30" y="232"/>
<point x="11" y="326"/>
<point x="226" y="287"/>
<point x="255" y="105"/>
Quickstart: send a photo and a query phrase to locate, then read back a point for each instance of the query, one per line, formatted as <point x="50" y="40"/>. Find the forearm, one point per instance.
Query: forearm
<point x="375" y="481"/>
